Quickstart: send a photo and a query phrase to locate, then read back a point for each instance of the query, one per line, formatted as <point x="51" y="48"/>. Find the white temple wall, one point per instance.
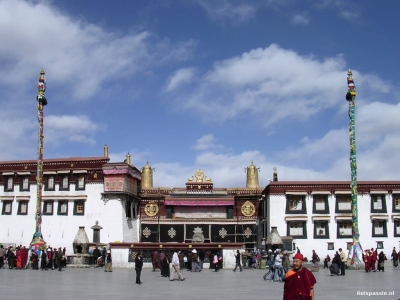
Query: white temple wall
<point x="277" y="215"/>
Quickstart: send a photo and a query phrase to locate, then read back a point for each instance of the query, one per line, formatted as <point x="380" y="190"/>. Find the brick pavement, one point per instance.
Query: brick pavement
<point x="120" y="284"/>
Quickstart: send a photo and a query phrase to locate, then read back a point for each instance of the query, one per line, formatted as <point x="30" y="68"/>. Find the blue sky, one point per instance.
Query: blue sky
<point x="205" y="84"/>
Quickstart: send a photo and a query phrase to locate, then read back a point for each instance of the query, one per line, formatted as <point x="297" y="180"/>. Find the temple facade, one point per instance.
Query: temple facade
<point x="317" y="215"/>
<point x="118" y="205"/>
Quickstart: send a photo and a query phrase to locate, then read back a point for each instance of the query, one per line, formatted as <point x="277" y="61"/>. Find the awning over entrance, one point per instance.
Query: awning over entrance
<point x="199" y="202"/>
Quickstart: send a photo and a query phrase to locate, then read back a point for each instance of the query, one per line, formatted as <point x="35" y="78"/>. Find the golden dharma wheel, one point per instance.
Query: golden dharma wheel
<point x="151" y="209"/>
<point x="248" y="209"/>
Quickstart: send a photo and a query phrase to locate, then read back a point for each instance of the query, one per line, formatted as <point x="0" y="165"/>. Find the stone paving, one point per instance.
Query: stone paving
<point x="94" y="283"/>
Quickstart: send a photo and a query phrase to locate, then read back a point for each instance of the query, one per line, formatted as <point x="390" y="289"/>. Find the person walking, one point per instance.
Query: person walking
<point x="381" y="261"/>
<point x="108" y="267"/>
<point x="374" y="258"/>
<point x="285" y="262"/>
<point x="326" y="261"/>
<point x="96" y="254"/>
<point x="238" y="260"/>
<point x="138" y="267"/>
<point x="216" y="262"/>
<point x="176" y="267"/>
<point x="299" y="282"/>
<point x="2" y="256"/>
<point x="270" y="263"/>
<point x="342" y="262"/>
<point x="395" y="258"/>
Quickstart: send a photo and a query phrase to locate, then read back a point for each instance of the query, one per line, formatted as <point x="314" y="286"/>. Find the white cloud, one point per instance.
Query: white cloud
<point x="280" y="81"/>
<point x="76" y="55"/>
<point x="226" y="9"/>
<point x="59" y="129"/>
<point x="206" y="142"/>
<point x="180" y="77"/>
<point x="300" y="19"/>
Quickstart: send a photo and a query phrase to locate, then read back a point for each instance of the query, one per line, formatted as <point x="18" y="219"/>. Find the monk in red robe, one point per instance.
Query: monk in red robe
<point x="299" y="282"/>
<point x="367" y="261"/>
<point x="374" y="257"/>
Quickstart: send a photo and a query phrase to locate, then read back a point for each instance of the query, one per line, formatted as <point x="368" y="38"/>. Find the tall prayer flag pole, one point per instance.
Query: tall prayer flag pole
<point x="37" y="241"/>
<point x="355" y="253"/>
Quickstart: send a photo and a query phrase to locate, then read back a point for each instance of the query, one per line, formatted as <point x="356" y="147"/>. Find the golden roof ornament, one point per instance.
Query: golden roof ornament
<point x="147" y="176"/>
<point x="252" y="176"/>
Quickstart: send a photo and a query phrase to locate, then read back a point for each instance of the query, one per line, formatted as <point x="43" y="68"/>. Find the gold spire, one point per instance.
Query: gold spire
<point x="252" y="176"/>
<point x="128" y="159"/>
<point x="147" y="176"/>
<point x="105" y="150"/>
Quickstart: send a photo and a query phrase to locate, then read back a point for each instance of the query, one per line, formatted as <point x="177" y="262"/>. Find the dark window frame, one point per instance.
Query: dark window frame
<point x="384" y="209"/>
<point x="384" y="234"/>
<point x="46" y="183"/>
<point x="61" y="185"/>
<point x="7" y="188"/>
<point x="326" y="210"/>
<point x="19" y="207"/>
<point x="45" y="212"/>
<point x="394" y="203"/>
<point x="76" y="204"/>
<point x="21" y="186"/>
<point x="303" y="209"/>
<point x="338" y="197"/>
<point x="304" y="223"/>
<point x="77" y="188"/>
<point x="3" y="210"/>
<point x="338" y="235"/>
<point x="395" y="233"/>
<point x="326" y="235"/>
<point x="60" y="202"/>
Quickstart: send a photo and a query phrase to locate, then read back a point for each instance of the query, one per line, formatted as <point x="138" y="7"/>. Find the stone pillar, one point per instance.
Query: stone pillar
<point x="96" y="232"/>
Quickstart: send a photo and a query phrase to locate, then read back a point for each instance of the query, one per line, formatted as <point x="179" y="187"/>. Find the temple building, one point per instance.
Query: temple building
<point x="200" y="212"/>
<point x="117" y="205"/>
<point x="317" y="215"/>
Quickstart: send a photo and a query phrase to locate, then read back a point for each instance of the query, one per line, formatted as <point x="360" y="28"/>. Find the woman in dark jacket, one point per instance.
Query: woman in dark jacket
<point x="381" y="261"/>
<point x="138" y="267"/>
<point x="165" y="266"/>
<point x="334" y="268"/>
<point x="43" y="261"/>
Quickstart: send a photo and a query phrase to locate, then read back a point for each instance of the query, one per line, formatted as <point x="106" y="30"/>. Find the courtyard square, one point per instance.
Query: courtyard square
<point x="94" y="283"/>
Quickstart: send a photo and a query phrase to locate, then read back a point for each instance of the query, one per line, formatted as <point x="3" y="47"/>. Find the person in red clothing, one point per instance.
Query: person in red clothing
<point x="367" y="261"/>
<point x="299" y="282"/>
<point x="374" y="258"/>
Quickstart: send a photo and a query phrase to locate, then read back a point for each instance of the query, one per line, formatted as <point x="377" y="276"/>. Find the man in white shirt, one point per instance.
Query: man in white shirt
<point x="175" y="266"/>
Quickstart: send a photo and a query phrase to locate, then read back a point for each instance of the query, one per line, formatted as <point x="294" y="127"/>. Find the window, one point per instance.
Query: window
<point x="9" y="184"/>
<point x="297" y="229"/>
<point x="48" y="207"/>
<point x="128" y="209"/>
<point x="295" y="204"/>
<point x="396" y="202"/>
<point x="343" y="203"/>
<point x="379" y="228"/>
<point x="320" y="205"/>
<point x="321" y="230"/>
<point x="79" y="208"/>
<point x="396" y="228"/>
<point x="24" y="183"/>
<point x="7" y="208"/>
<point x="80" y="182"/>
<point x="49" y="184"/>
<point x="22" y="208"/>
<point x="331" y="246"/>
<point x="378" y="203"/>
<point x="344" y="229"/>
<point x="62" y="208"/>
<point x="64" y="184"/>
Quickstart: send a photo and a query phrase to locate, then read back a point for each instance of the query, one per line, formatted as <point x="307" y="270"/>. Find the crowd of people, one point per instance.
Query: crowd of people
<point x="44" y="258"/>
